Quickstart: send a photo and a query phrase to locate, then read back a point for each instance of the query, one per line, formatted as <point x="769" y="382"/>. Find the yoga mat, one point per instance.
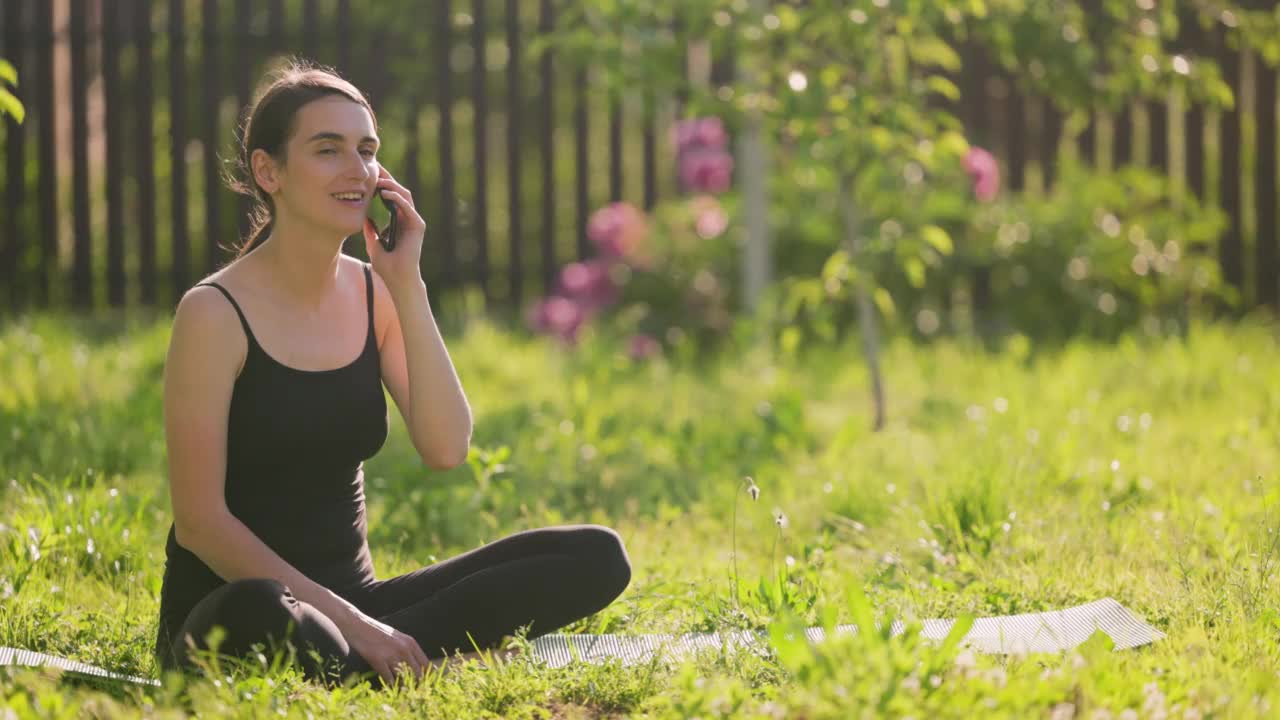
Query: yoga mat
<point x="1053" y="631"/>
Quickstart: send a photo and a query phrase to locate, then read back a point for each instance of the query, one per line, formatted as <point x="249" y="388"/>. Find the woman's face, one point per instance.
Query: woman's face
<point x="330" y="157"/>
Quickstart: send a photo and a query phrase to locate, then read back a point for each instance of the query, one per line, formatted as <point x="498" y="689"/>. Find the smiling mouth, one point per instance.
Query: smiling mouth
<point x="352" y="199"/>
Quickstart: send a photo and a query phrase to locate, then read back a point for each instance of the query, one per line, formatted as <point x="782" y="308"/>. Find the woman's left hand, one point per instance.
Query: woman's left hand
<point x="400" y="267"/>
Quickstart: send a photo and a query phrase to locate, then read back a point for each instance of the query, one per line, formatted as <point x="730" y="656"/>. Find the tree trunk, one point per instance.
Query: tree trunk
<point x="862" y="296"/>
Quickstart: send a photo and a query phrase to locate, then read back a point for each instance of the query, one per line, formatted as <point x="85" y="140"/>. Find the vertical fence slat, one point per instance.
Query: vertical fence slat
<point x="444" y="84"/>
<point x="547" y="106"/>
<point x="209" y="135"/>
<point x="1192" y="42"/>
<point x="973" y="92"/>
<point x="242" y="43"/>
<point x="275" y="27"/>
<point x="310" y="30"/>
<point x="82" y="268"/>
<point x="1265" y="184"/>
<point x="581" y="154"/>
<point x="342" y="33"/>
<point x="480" y="104"/>
<point x="1017" y="138"/>
<point x="180" y="272"/>
<point x="1050" y="137"/>
<point x="615" y="150"/>
<point x="15" y="156"/>
<point x="1122" y="137"/>
<point x="145" y="154"/>
<point x="1231" y="244"/>
<point x="47" y="153"/>
<point x="650" y="153"/>
<point x="1087" y="140"/>
<point x="114" y="107"/>
<point x="514" y="122"/>
<point x="1158" y="135"/>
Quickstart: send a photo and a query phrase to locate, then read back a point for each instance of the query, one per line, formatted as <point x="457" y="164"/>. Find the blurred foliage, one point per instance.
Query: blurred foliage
<point x="1102" y="253"/>
<point x="9" y="105"/>
<point x="869" y="90"/>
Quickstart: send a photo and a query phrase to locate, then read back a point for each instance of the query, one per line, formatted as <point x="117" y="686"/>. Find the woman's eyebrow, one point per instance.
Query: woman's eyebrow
<point x="339" y="137"/>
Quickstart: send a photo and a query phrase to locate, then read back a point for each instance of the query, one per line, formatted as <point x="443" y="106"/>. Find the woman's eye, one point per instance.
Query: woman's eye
<point x="327" y="150"/>
<point x="367" y="153"/>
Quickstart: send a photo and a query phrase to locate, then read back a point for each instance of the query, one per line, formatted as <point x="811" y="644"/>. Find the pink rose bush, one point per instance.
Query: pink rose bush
<point x="664" y="269"/>
<point x="984" y="171"/>
<point x="704" y="162"/>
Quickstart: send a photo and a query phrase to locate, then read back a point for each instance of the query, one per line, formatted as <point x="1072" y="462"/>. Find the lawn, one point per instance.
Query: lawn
<point x="1033" y="479"/>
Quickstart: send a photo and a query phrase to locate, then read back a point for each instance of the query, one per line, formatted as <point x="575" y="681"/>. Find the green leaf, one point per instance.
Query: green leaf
<point x="8" y="73"/>
<point x="938" y="238"/>
<point x="914" y="268"/>
<point x="884" y="301"/>
<point x="958" y="630"/>
<point x="1097" y="646"/>
<point x="943" y="87"/>
<point x="11" y="106"/>
<point x="836" y="266"/>
<point x="933" y="51"/>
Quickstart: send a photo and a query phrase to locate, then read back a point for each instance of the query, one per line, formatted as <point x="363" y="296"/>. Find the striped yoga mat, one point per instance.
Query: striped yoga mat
<point x="1053" y="631"/>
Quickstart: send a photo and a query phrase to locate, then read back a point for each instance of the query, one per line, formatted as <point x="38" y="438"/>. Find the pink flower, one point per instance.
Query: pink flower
<point x="589" y="284"/>
<point x="984" y="171"/>
<point x="617" y="229"/>
<point x="643" y="347"/>
<point x="705" y="170"/>
<point x="697" y="133"/>
<point x="711" y="222"/>
<point x="558" y="316"/>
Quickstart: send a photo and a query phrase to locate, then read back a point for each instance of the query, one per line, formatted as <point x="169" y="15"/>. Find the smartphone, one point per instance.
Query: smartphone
<point x="387" y="235"/>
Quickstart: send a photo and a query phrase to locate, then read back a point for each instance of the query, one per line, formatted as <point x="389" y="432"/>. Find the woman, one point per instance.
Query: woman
<point x="268" y="420"/>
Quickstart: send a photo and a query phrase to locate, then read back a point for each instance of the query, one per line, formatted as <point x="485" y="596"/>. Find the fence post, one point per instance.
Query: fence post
<point x="209" y="134"/>
<point x="546" y="22"/>
<point x="1050" y="137"/>
<point x="1265" y="183"/>
<point x="446" y="229"/>
<point x="1191" y="41"/>
<point x="480" y="104"/>
<point x="1231" y="245"/>
<point x="81" y="277"/>
<point x="15" y="50"/>
<point x="514" y="123"/>
<point x="48" y="152"/>
<point x="582" y="158"/>
<point x="114" y="106"/>
<point x="754" y="178"/>
<point x="1122" y="137"/>
<point x="181" y="258"/>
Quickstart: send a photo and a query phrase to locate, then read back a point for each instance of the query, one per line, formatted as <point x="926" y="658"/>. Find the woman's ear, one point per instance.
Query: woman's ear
<point x="265" y="172"/>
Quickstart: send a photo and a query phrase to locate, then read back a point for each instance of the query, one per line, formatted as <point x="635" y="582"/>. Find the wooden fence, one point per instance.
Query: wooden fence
<point x="111" y="189"/>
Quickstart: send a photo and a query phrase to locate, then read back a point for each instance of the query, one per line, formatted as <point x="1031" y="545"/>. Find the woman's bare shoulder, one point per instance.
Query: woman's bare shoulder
<point x="206" y="319"/>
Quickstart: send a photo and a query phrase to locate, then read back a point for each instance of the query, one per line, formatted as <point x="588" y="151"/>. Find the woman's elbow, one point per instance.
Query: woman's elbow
<point x="446" y="458"/>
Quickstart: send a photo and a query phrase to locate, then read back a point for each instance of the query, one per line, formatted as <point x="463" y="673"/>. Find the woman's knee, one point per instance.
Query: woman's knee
<point x="245" y="609"/>
<point x="607" y="557"/>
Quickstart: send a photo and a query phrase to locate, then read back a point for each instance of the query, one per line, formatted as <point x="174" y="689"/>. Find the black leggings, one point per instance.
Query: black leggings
<point x="546" y="578"/>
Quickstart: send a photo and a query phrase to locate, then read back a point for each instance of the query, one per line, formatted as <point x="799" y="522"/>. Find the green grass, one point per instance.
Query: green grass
<point x="1143" y="471"/>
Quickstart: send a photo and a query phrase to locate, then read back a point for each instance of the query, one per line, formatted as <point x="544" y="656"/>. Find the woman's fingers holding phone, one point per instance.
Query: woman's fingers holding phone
<point x="408" y="214"/>
<point x="385" y="180"/>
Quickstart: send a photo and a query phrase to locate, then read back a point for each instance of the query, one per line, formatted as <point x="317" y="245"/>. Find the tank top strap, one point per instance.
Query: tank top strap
<point x="243" y="322"/>
<point x="368" y="298"/>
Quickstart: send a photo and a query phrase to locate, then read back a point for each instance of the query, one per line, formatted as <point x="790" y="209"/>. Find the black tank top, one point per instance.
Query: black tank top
<point x="296" y="445"/>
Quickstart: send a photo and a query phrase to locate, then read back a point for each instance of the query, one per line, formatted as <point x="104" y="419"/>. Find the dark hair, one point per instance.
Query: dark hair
<point x="270" y="121"/>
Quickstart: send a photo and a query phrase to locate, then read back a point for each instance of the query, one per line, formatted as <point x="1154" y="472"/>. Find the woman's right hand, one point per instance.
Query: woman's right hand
<point x="384" y="647"/>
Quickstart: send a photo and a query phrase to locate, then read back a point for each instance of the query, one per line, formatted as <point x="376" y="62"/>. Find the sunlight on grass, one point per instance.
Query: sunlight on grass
<point x="1004" y="483"/>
